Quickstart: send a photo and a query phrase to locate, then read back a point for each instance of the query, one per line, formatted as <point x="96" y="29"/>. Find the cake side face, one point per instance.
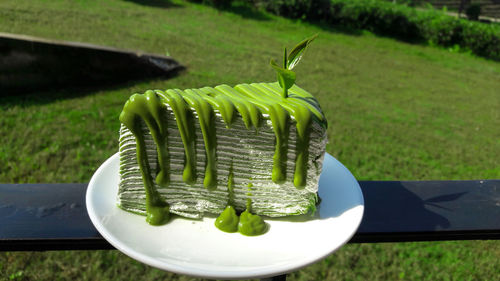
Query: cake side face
<point x="205" y="149"/>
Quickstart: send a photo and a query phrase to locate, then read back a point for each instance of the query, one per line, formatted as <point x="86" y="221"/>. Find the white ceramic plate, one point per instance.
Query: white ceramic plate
<point x="198" y="248"/>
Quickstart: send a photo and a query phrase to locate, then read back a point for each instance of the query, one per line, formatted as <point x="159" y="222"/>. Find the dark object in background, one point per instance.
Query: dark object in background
<point x="473" y="11"/>
<point x="463" y="4"/>
<point x="29" y="64"/>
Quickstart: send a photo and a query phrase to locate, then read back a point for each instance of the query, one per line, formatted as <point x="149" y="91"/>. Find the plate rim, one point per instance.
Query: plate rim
<point x="193" y="271"/>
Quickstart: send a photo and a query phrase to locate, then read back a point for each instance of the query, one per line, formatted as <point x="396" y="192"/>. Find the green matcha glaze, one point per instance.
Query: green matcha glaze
<point x="230" y="185"/>
<point x="158" y="213"/>
<point x="253" y="102"/>
<point x="302" y="116"/>
<point x="249" y="196"/>
<point x="249" y="201"/>
<point x="251" y="225"/>
<point x="249" y="111"/>
<point x="185" y="124"/>
<point x="147" y="107"/>
<point x="206" y="117"/>
<point x="221" y="102"/>
<point x="280" y="122"/>
<point x="228" y="220"/>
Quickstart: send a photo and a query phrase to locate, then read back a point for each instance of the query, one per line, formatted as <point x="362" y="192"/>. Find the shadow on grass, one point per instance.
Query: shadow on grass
<point x="247" y="12"/>
<point x="326" y="24"/>
<point x="51" y="95"/>
<point x="242" y="9"/>
<point x="348" y="30"/>
<point x="328" y="27"/>
<point x="155" y="3"/>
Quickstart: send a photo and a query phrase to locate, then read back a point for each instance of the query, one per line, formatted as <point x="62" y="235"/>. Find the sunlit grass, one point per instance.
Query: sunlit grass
<point x="396" y="112"/>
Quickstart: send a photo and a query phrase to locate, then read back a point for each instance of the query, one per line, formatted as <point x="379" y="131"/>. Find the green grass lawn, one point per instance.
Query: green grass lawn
<point x="396" y="112"/>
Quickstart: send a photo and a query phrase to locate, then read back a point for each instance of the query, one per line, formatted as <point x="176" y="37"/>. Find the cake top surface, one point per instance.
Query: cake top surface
<point x="251" y="101"/>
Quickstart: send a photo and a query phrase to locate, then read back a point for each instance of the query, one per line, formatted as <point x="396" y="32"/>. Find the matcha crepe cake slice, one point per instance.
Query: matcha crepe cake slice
<point x="225" y="157"/>
<point x="253" y="148"/>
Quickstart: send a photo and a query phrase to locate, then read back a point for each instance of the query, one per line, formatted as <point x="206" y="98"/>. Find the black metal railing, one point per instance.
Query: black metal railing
<point x="43" y="217"/>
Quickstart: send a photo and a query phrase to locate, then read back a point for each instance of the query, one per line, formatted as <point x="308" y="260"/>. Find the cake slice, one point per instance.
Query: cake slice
<point x="255" y="149"/>
<point x="205" y="149"/>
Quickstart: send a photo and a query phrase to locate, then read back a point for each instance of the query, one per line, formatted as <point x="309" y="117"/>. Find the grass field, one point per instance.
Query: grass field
<point x="396" y="112"/>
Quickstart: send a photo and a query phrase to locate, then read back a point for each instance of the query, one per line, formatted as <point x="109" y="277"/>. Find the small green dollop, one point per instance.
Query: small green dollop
<point x="228" y="220"/>
<point x="251" y="225"/>
<point x="158" y="214"/>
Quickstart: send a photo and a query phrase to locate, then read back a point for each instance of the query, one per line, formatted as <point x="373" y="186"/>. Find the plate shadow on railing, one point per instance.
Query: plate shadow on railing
<point x="407" y="214"/>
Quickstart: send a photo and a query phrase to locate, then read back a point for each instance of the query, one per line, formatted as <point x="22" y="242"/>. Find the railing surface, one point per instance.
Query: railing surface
<point x="39" y="217"/>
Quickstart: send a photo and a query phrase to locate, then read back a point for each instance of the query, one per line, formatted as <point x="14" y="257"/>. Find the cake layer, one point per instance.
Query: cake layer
<point x="245" y="159"/>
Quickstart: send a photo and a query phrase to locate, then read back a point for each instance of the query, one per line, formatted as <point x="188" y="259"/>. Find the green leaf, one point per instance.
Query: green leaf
<point x="286" y="78"/>
<point x="285" y="65"/>
<point x="298" y="51"/>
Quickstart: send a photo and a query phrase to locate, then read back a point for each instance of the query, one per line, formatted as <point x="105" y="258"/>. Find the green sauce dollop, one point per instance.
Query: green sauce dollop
<point x="251" y="225"/>
<point x="247" y="223"/>
<point x="227" y="220"/>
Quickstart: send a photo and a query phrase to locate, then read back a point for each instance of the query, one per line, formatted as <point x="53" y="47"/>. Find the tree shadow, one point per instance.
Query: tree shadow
<point x="336" y="28"/>
<point x="45" y="70"/>
<point x="156" y="3"/>
<point x="346" y="29"/>
<point x="246" y="11"/>
<point x="47" y="96"/>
